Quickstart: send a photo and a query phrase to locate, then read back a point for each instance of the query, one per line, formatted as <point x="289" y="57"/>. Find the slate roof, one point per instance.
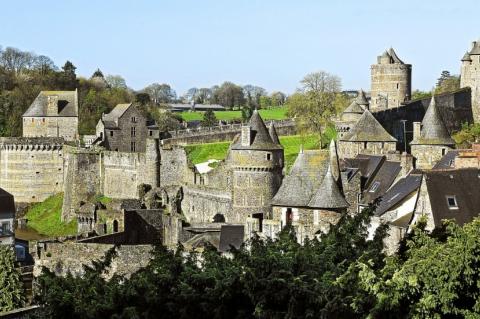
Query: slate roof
<point x="394" y="57"/>
<point x="464" y="184"/>
<point x="260" y="137"/>
<point x="368" y="129"/>
<point x="7" y="205"/>
<point x="466" y="57"/>
<point x="304" y="179"/>
<point x="367" y="164"/>
<point x="328" y="195"/>
<point x="476" y="48"/>
<point x="273" y="133"/>
<point x="117" y="112"/>
<point x="383" y="179"/>
<point x="231" y="235"/>
<point x="398" y="192"/>
<point x="67" y="104"/>
<point x="361" y="99"/>
<point x="433" y="131"/>
<point x="355" y="108"/>
<point x="447" y="159"/>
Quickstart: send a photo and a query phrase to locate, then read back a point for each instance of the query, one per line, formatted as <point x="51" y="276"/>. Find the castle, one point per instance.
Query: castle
<point x="250" y="188"/>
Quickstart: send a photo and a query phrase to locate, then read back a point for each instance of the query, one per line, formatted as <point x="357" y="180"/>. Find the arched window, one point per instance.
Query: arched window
<point x="115" y="226"/>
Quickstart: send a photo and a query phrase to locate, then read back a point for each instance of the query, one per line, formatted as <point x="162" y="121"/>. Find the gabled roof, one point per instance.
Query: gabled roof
<point x="368" y="129"/>
<point x="433" y="131"/>
<point x="361" y="98"/>
<point x="476" y="48"/>
<point x="328" y="195"/>
<point x="260" y="137"/>
<point x="67" y="104"/>
<point x="464" y="184"/>
<point x="381" y="182"/>
<point x="354" y="107"/>
<point x="7" y="205"/>
<point x="398" y="192"/>
<point x="117" y="112"/>
<point x="305" y="177"/>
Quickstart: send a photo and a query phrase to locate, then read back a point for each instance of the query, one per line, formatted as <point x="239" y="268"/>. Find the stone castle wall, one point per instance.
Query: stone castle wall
<point x="426" y="156"/>
<point x="348" y="149"/>
<point x="31" y="169"/>
<point x="391" y="85"/>
<point x="200" y="204"/>
<point x="66" y="127"/>
<point x="123" y="173"/>
<point x="470" y="77"/>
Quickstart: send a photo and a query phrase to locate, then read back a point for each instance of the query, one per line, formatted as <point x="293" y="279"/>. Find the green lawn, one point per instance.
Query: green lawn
<point x="279" y="113"/>
<point x="45" y="218"/>
<point x="199" y="153"/>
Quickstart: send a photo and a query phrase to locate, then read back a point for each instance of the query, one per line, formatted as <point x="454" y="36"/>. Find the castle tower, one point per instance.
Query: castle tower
<point x="431" y="139"/>
<point x="152" y="162"/>
<point x="470" y="77"/>
<point x="391" y="81"/>
<point x="257" y="161"/>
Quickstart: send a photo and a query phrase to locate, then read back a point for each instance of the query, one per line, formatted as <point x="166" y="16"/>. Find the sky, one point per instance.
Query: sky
<point x="269" y="43"/>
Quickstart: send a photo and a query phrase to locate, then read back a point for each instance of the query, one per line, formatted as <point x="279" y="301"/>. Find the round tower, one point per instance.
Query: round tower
<point x="391" y="81"/>
<point x="470" y="77"/>
<point x="257" y="162"/>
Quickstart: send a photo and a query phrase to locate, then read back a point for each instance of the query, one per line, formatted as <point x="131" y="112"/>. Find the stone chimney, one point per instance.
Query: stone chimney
<point x="52" y="105"/>
<point x="246" y="135"/>
<point x="416" y="130"/>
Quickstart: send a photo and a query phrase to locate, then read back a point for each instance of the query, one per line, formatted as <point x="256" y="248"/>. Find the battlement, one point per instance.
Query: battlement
<point x="31" y="143"/>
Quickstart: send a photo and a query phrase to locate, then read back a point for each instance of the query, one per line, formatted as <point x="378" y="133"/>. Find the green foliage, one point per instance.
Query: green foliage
<point x="209" y="119"/>
<point x="103" y="199"/>
<point x="447" y="83"/>
<point x="11" y="287"/>
<point x="199" y="153"/>
<point x="45" y="218"/>
<point x="467" y="135"/>
<point x="271" y="279"/>
<point x="417" y="95"/>
<point x="278" y="113"/>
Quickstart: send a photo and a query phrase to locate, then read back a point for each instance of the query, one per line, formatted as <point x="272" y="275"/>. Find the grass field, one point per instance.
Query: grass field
<point x="267" y="114"/>
<point x="199" y="153"/>
<point x="45" y="218"/>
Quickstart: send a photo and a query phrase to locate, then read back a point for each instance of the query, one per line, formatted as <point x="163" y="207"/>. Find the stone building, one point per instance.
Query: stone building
<point x="367" y="136"/>
<point x="7" y="217"/>
<point x="431" y="140"/>
<point x="31" y="167"/>
<point x="309" y="199"/>
<point x="52" y="114"/>
<point x="391" y="81"/>
<point x="470" y="76"/>
<point x="257" y="161"/>
<point x="352" y="114"/>
<point x="124" y="129"/>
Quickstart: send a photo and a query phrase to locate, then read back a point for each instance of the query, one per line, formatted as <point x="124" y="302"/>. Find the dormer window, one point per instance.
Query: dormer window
<point x="452" y="202"/>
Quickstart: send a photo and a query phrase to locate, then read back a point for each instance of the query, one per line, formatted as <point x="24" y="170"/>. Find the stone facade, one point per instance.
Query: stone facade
<point x="470" y="77"/>
<point x="31" y="169"/>
<point x="391" y="81"/>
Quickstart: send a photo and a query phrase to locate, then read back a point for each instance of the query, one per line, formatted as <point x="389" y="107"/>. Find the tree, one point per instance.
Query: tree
<point x="417" y="94"/>
<point x="278" y="98"/>
<point x="16" y="61"/>
<point x="160" y="93"/>
<point x="203" y="96"/>
<point x="44" y="65"/>
<point x="443" y="76"/>
<point x="116" y="81"/>
<point x="252" y="95"/>
<point x="469" y="134"/>
<point x="191" y="95"/>
<point x="448" y="84"/>
<point x="68" y="76"/>
<point x="11" y="289"/>
<point x="228" y="95"/>
<point x="317" y="103"/>
<point x="209" y="119"/>
<point x="143" y="98"/>
<point x="166" y="120"/>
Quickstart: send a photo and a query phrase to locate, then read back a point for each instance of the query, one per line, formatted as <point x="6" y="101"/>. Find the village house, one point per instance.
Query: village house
<point x="7" y="218"/>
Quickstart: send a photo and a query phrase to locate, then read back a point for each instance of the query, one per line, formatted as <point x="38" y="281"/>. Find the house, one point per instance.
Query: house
<point x="125" y="129"/>
<point x="52" y="114"/>
<point x="7" y="217"/>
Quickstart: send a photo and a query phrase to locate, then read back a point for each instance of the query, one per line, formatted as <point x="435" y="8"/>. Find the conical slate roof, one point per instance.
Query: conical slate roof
<point x="361" y="98"/>
<point x="393" y="55"/>
<point x="433" y="130"/>
<point x="328" y="195"/>
<point x="476" y="48"/>
<point x="467" y="57"/>
<point x="355" y="108"/>
<point x="260" y="137"/>
<point x="368" y="129"/>
<point x="273" y="133"/>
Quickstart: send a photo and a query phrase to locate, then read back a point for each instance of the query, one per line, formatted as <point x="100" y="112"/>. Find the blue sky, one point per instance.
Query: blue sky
<point x="270" y="43"/>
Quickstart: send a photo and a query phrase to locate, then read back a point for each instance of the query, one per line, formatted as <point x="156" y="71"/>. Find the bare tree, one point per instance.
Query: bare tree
<point x="116" y="81"/>
<point x="160" y="93"/>
<point x="16" y="61"/>
<point x="320" y="82"/>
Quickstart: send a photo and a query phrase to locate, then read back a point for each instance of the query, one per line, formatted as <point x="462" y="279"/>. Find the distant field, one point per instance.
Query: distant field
<point x="45" y="218"/>
<point x="267" y="114"/>
<point x="199" y="153"/>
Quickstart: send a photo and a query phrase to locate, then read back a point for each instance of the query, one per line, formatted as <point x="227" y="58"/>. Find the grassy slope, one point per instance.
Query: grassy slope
<point x="45" y="218"/>
<point x="199" y="153"/>
<point x="270" y="114"/>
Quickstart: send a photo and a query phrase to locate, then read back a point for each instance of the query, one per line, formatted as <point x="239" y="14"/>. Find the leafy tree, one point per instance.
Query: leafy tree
<point x="160" y="93"/>
<point x="470" y="133"/>
<point x="68" y="76"/>
<point x="143" y="98"/>
<point x="447" y="83"/>
<point x="166" y="120"/>
<point x="417" y="94"/>
<point x="11" y="288"/>
<point x="209" y="119"/>
<point x="116" y="81"/>
<point x="278" y="98"/>
<point x="228" y="95"/>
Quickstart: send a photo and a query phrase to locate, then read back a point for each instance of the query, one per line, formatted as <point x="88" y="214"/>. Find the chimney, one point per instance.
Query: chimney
<point x="52" y="105"/>
<point x="246" y="135"/>
<point x="473" y="44"/>
<point x="416" y="130"/>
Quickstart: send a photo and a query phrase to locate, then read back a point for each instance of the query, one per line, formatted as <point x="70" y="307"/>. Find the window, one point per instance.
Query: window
<point x="132" y="131"/>
<point x="269" y="156"/>
<point x="111" y="133"/>
<point x="365" y="145"/>
<point x="5" y="227"/>
<point x="444" y="151"/>
<point x="289" y="215"/>
<point x="374" y="187"/>
<point x="452" y="202"/>
<point x="134" y="119"/>
<point x="132" y="146"/>
<point x="150" y="133"/>
<point x="397" y="86"/>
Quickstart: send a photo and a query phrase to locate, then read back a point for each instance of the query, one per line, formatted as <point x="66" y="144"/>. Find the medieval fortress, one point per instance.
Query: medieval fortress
<point x="127" y="160"/>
